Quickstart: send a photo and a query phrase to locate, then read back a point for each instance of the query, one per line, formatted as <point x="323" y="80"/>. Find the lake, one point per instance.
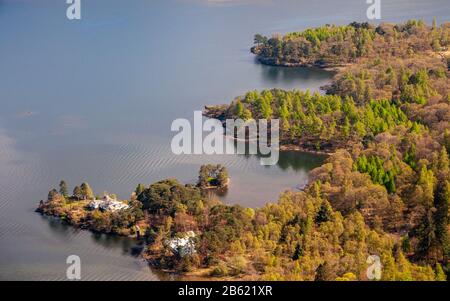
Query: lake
<point x="93" y="100"/>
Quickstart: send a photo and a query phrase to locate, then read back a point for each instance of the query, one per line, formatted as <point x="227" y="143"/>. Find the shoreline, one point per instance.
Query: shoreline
<point x="325" y="66"/>
<point x="290" y="147"/>
<point x="330" y="68"/>
<point x="211" y="187"/>
<point x="300" y="149"/>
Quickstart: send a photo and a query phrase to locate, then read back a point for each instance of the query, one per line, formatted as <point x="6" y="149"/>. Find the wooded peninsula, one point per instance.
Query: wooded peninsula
<point x="384" y="189"/>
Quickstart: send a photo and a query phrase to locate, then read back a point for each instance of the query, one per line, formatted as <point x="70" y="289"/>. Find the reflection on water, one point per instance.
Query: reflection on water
<point x="290" y="76"/>
<point x="291" y="172"/>
<point x="299" y="160"/>
<point x="58" y="228"/>
<point x="128" y="246"/>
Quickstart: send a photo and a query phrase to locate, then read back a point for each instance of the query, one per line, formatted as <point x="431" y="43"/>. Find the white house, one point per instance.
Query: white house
<point x="94" y="204"/>
<point x="183" y="245"/>
<point x="107" y="204"/>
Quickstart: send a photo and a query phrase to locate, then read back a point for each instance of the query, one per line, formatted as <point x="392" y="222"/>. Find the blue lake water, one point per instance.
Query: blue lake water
<point x="93" y="100"/>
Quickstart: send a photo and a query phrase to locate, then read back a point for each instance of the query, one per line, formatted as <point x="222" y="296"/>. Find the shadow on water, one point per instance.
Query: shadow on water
<point x="127" y="245"/>
<point x="299" y="160"/>
<point x="295" y="160"/>
<point x="288" y="160"/>
<point x="58" y="228"/>
<point x="291" y="75"/>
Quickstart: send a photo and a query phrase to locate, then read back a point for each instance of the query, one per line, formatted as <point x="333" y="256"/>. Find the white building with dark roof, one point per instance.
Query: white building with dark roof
<point x="107" y="204"/>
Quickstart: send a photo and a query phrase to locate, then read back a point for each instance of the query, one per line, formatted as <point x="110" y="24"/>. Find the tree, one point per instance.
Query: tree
<point x="222" y="176"/>
<point x="86" y="191"/>
<point x="443" y="166"/>
<point x="212" y="176"/>
<point x="440" y="275"/>
<point x="325" y="272"/>
<point x="347" y="277"/>
<point x="77" y="192"/>
<point x="410" y="157"/>
<point x="139" y="189"/>
<point x="426" y="233"/>
<point x="446" y="141"/>
<point x="246" y="114"/>
<point x="441" y="220"/>
<point x="425" y="187"/>
<point x="53" y="195"/>
<point x="169" y="197"/>
<point x="403" y="270"/>
<point x="346" y="127"/>
<point x="360" y="129"/>
<point x="63" y="190"/>
<point x="390" y="184"/>
<point x="389" y="268"/>
<point x="260" y="39"/>
<point x="325" y="213"/>
<point x="298" y="251"/>
<point x="239" y="109"/>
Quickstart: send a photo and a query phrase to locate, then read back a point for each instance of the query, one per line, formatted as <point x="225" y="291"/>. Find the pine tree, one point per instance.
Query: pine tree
<point x="426" y="233"/>
<point x="360" y="129"/>
<point x="139" y="189"/>
<point x="222" y="176"/>
<point x="403" y="269"/>
<point x="410" y="157"/>
<point x="440" y="275"/>
<point x="390" y="185"/>
<point x="52" y="194"/>
<point x="298" y="252"/>
<point x="446" y="141"/>
<point x="325" y="272"/>
<point x="247" y="114"/>
<point x="441" y="220"/>
<point x="77" y="193"/>
<point x="389" y="268"/>
<point x="63" y="190"/>
<point x="86" y="191"/>
<point x="346" y="127"/>
<point x="239" y="109"/>
<point x="425" y="187"/>
<point x="325" y="213"/>
<point x="443" y="166"/>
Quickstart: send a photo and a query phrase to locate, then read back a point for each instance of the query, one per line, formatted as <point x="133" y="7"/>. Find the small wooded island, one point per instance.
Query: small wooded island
<point x="384" y="189"/>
